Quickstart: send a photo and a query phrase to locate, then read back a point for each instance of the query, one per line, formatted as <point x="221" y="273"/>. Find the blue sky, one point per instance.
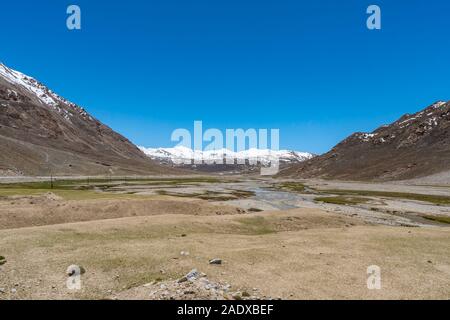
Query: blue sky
<point x="310" y="68"/>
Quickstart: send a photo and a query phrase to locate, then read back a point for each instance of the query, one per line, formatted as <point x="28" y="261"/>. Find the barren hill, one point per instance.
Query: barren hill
<point x="416" y="145"/>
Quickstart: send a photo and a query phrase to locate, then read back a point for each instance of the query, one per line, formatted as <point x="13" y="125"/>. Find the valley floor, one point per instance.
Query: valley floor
<point x="137" y="239"/>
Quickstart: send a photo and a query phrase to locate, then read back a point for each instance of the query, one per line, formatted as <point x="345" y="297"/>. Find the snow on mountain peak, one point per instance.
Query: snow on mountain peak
<point x="45" y="95"/>
<point x="262" y="155"/>
<point x="438" y="104"/>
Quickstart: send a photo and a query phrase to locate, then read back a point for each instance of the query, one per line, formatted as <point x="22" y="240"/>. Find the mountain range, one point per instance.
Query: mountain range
<point x="42" y="133"/>
<point x="214" y="160"/>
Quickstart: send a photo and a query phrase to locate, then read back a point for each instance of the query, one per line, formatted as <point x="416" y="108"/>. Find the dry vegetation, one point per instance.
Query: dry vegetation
<point x="128" y="244"/>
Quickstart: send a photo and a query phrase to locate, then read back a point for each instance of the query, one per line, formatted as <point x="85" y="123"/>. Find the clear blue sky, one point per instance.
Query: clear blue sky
<point x="310" y="68"/>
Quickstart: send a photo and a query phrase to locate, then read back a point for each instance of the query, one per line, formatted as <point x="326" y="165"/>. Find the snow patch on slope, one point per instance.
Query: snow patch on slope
<point x="39" y="90"/>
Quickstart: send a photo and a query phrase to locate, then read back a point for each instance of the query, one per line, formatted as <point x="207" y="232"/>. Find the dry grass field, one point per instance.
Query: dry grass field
<point x="132" y="247"/>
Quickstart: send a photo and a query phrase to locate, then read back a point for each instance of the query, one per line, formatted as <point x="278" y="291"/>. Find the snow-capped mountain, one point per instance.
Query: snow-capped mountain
<point x="40" y="91"/>
<point x="180" y="154"/>
<point x="42" y="133"/>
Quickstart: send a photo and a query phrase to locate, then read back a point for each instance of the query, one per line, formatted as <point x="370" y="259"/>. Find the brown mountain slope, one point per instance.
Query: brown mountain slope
<point x="42" y="133"/>
<point x="414" y="146"/>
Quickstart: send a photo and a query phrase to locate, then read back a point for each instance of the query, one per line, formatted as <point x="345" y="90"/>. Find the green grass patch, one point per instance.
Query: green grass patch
<point x="291" y="186"/>
<point x="443" y="200"/>
<point x="95" y="195"/>
<point x="90" y="183"/>
<point x="178" y="194"/>
<point x="21" y="192"/>
<point x="79" y="189"/>
<point x="242" y="194"/>
<point x="216" y="198"/>
<point x="342" y="200"/>
<point x="440" y="219"/>
<point x="71" y="194"/>
<point x="65" y="238"/>
<point x="210" y="195"/>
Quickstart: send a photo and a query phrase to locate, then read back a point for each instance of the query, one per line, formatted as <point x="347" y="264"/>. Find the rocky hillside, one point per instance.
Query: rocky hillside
<point x="41" y="133"/>
<point x="416" y="145"/>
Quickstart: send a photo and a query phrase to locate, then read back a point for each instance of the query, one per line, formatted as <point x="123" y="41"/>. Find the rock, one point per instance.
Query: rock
<point x="193" y="274"/>
<point x="2" y="290"/>
<point x="13" y="290"/>
<point x="195" y="285"/>
<point x="182" y="279"/>
<point x="184" y="253"/>
<point x="215" y="261"/>
<point x="237" y="296"/>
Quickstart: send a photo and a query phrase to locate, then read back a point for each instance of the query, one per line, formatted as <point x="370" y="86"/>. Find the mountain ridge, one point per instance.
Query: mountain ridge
<point x="42" y="133"/>
<point x="415" y="145"/>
